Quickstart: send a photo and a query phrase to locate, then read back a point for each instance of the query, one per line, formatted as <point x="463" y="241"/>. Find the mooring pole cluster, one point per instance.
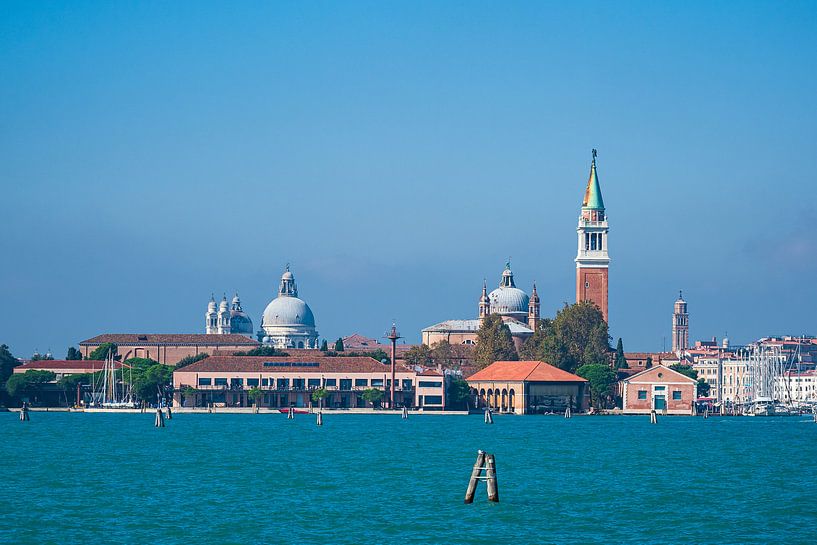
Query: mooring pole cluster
<point x="489" y="418"/>
<point x="653" y="417"/>
<point x="160" y="418"/>
<point x="485" y="462"/>
<point x="24" y="412"/>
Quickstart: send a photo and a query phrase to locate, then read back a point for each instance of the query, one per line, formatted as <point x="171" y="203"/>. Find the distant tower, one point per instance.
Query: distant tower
<point x="393" y="336"/>
<point x="223" y="317"/>
<point x="211" y="317"/>
<point x="592" y="260"/>
<point x="484" y="303"/>
<point x="533" y="309"/>
<point x="680" y="325"/>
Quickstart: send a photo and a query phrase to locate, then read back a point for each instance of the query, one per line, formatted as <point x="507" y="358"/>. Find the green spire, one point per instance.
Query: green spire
<point x="592" y="195"/>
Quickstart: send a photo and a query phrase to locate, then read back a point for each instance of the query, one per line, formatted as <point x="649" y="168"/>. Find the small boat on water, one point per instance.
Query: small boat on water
<point x="296" y="411"/>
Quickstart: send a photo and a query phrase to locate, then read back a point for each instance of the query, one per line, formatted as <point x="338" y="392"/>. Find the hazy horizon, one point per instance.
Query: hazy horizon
<point x="397" y="154"/>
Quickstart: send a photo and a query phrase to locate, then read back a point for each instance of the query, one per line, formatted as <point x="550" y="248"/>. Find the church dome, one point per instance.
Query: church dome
<point x="507" y="299"/>
<point x="288" y="310"/>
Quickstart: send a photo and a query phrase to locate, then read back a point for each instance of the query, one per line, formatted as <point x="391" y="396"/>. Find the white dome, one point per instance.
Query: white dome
<point x="286" y="310"/>
<point x="509" y="300"/>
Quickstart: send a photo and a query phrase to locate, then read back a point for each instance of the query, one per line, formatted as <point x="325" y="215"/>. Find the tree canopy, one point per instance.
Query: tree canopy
<point x="7" y="363"/>
<point x="577" y="336"/>
<point x="101" y="351"/>
<point x="494" y="342"/>
<point x="263" y="351"/>
<point x="601" y="379"/>
<point x="184" y="362"/>
<point x="621" y="361"/>
<point x="703" y="388"/>
<point x="149" y="377"/>
<point x="685" y="370"/>
<point x="339" y="345"/>
<point x="29" y="382"/>
<point x="458" y="394"/>
<point x="419" y="355"/>
<point x="372" y="395"/>
<point x="73" y="354"/>
<point x="324" y="346"/>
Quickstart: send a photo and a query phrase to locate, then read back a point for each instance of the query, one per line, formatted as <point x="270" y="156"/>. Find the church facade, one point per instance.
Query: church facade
<point x="519" y="311"/>
<point x="227" y="320"/>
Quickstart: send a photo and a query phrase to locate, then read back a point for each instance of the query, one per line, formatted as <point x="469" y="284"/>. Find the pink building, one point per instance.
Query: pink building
<point x="167" y="348"/>
<point x="658" y="388"/>
<point x="290" y="381"/>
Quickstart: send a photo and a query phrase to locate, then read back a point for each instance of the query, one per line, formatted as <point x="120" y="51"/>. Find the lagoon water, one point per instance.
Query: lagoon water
<point x="240" y="478"/>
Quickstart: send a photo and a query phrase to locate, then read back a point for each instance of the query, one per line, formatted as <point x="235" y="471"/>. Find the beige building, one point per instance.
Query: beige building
<point x="528" y="387"/>
<point x="290" y="381"/>
<point x="167" y="348"/>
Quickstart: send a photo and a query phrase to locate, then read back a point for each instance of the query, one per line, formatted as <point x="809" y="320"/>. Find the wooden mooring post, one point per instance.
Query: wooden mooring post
<point x="485" y="462"/>
<point x="291" y="413"/>
<point x="169" y="414"/>
<point x="320" y="418"/>
<point x="568" y="412"/>
<point x="653" y="417"/>
<point x="160" y="418"/>
<point x="405" y="413"/>
<point x="489" y="417"/>
<point x="24" y="412"/>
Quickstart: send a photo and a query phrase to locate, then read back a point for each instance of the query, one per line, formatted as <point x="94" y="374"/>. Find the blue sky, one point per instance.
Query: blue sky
<point x="396" y="153"/>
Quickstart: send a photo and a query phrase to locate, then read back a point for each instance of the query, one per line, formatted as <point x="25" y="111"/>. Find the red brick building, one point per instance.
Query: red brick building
<point x="658" y="388"/>
<point x="168" y="348"/>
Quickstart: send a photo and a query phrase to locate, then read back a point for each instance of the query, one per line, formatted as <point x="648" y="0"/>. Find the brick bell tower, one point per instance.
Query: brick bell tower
<point x="592" y="261"/>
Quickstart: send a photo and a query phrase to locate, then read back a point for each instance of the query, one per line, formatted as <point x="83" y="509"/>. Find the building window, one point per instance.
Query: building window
<point x="429" y="384"/>
<point x="642" y="394"/>
<point x="433" y="400"/>
<point x="264" y="382"/>
<point x="660" y="388"/>
<point x="298" y="383"/>
<point x="407" y="384"/>
<point x="283" y="383"/>
<point x="676" y="394"/>
<point x="361" y="382"/>
<point x="221" y="382"/>
<point x="377" y="383"/>
<point x="345" y="384"/>
<point x="205" y="381"/>
<point x="331" y="382"/>
<point x="314" y="383"/>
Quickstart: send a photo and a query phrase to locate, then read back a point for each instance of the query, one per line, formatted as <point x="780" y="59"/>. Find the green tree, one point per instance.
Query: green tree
<point x="703" y="388"/>
<point x="621" y="361"/>
<point x="150" y="378"/>
<point x="254" y="394"/>
<point x="339" y="345"/>
<point x="319" y="395"/>
<point x="263" y="351"/>
<point x="458" y="394"/>
<point x="494" y="342"/>
<point x="419" y="355"/>
<point x="601" y="379"/>
<point x="324" y="346"/>
<point x="577" y="336"/>
<point x="686" y="370"/>
<point x="102" y="351"/>
<point x="73" y="354"/>
<point x="450" y="356"/>
<point x="648" y="363"/>
<point x="28" y="383"/>
<point x="7" y="363"/>
<point x="373" y="396"/>
<point x="184" y="362"/>
<point x="188" y="392"/>
<point x="69" y="383"/>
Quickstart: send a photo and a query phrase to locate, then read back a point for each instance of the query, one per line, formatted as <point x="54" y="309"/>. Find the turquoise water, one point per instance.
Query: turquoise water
<point x="221" y="478"/>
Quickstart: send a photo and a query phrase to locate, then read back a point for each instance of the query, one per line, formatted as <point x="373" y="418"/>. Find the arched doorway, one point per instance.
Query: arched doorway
<point x="511" y="399"/>
<point x="504" y="400"/>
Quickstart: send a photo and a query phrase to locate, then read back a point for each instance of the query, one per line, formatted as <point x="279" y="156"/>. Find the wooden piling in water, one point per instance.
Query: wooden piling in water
<point x="160" y="418"/>
<point x="291" y="413"/>
<point x="489" y="417"/>
<point x="476" y="473"/>
<point x="405" y="413"/>
<point x="320" y="418"/>
<point x="24" y="413"/>
<point x="490" y="475"/>
<point x="169" y="414"/>
<point x="568" y="412"/>
<point x="653" y="417"/>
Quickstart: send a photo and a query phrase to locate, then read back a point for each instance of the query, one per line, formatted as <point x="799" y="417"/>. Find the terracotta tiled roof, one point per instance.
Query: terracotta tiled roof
<point x="430" y="373"/>
<point x="537" y="371"/>
<point x="255" y="364"/>
<point x="80" y="366"/>
<point x="170" y="338"/>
